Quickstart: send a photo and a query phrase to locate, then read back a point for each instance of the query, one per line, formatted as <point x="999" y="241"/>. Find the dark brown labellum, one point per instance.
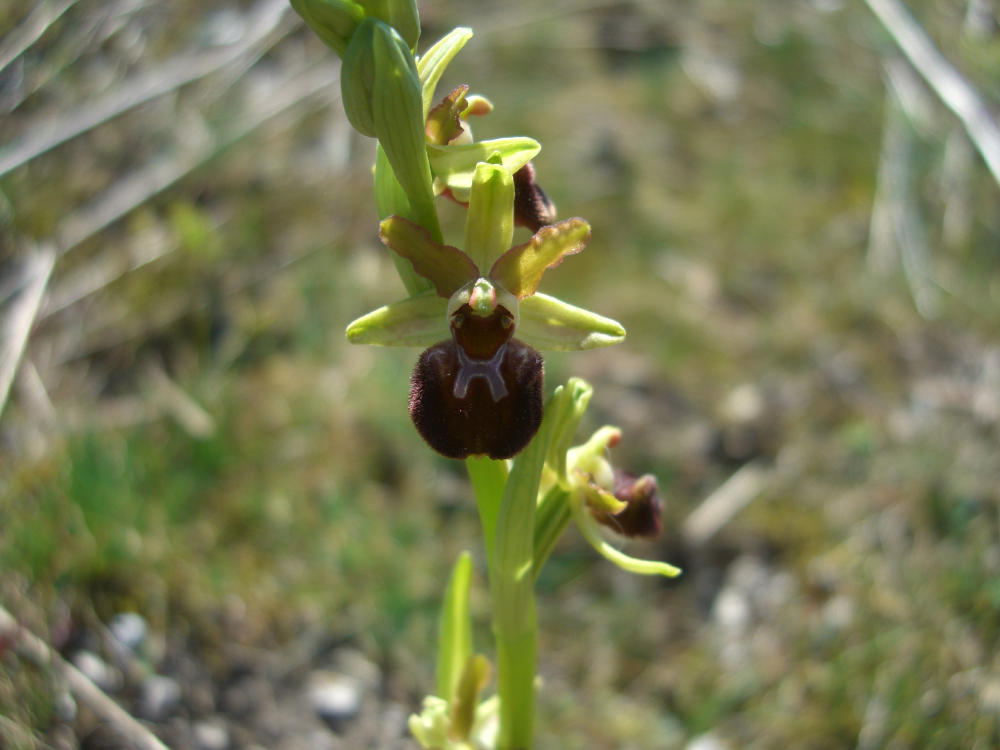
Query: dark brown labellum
<point x="464" y="405"/>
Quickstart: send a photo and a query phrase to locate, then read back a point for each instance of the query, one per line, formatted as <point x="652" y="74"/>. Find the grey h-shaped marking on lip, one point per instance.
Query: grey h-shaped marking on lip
<point x="489" y="369"/>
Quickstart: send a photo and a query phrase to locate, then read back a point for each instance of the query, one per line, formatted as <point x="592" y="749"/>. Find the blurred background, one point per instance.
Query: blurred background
<point x="220" y="513"/>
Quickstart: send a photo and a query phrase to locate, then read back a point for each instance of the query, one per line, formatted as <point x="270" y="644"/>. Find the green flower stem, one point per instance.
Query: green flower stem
<point x="515" y="627"/>
<point x="488" y="479"/>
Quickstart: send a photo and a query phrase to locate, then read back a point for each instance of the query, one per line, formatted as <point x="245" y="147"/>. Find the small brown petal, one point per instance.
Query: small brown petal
<point x="532" y="207"/>
<point x="464" y="407"/>
<point x="443" y="122"/>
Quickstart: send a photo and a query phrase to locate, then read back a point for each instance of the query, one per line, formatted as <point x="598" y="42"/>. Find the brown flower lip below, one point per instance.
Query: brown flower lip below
<point x="641" y="515"/>
<point x="464" y="407"/>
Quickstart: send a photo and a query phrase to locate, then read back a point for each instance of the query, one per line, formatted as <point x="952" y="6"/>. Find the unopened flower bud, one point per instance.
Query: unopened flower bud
<point x="641" y="514"/>
<point x="400" y="14"/>
<point x="333" y="21"/>
<point x="357" y="78"/>
<point x="532" y="207"/>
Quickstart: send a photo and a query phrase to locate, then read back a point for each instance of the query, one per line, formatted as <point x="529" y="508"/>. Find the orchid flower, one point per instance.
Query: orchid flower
<point x="476" y="389"/>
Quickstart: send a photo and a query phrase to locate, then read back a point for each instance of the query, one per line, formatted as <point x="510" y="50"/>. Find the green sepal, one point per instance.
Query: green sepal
<point x="333" y="21"/>
<point x="446" y="267"/>
<point x="547" y="322"/>
<point x="433" y="62"/>
<point x="414" y="321"/>
<point x="454" y="629"/>
<point x="591" y="531"/>
<point x="489" y="222"/>
<point x="402" y="15"/>
<point x="520" y="269"/>
<point x="456" y="164"/>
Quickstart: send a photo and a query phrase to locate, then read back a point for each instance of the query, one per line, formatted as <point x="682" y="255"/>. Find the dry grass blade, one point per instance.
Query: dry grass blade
<point x="31" y="30"/>
<point x="138" y="187"/>
<point x="19" y="321"/>
<point x="895" y="221"/>
<point x="42" y="136"/>
<point x="34" y="648"/>
<point x="960" y="97"/>
<point x="723" y="504"/>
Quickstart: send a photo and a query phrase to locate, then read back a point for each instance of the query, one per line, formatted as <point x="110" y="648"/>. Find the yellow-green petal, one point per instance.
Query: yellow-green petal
<point x="520" y="269"/>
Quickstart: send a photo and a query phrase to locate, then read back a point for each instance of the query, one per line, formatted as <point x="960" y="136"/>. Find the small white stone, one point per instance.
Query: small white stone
<point x="129" y="629"/>
<point x="334" y="697"/>
<point x="160" y="696"/>
<point x="211" y="734"/>
<point x="706" y="741"/>
<point x="731" y="609"/>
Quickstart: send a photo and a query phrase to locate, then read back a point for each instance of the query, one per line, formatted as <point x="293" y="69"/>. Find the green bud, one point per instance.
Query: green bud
<point x="357" y="78"/>
<point x="333" y="21"/>
<point x="397" y="111"/>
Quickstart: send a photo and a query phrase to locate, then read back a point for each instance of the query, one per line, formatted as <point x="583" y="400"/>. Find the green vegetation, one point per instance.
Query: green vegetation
<point x="206" y="435"/>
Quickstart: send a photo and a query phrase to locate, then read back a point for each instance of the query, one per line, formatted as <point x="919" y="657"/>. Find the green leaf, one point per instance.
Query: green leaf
<point x="446" y="267"/>
<point x="566" y="411"/>
<point x="520" y="269"/>
<point x="489" y="222"/>
<point x="432" y="64"/>
<point x="454" y="629"/>
<point x="551" y="519"/>
<point x="414" y="321"/>
<point x="456" y="164"/>
<point x="549" y="323"/>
